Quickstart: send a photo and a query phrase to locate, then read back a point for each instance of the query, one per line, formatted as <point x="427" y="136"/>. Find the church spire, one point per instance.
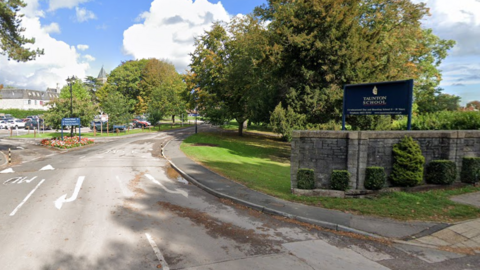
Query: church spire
<point x="102" y="76"/>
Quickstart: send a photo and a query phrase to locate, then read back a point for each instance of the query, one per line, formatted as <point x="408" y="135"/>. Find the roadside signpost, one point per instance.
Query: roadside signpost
<point x="381" y="98"/>
<point x="72" y="122"/>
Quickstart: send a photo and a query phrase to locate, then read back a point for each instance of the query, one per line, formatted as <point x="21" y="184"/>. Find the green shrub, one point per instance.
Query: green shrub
<point x="340" y="180"/>
<point x="408" y="163"/>
<point x="444" y="120"/>
<point x="305" y="179"/>
<point x="441" y="172"/>
<point x="374" y="178"/>
<point x="18" y="113"/>
<point x="470" y="170"/>
<point x="285" y="121"/>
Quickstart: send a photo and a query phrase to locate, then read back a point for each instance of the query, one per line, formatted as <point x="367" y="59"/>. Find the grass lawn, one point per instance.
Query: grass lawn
<point x="263" y="164"/>
<point x="48" y="135"/>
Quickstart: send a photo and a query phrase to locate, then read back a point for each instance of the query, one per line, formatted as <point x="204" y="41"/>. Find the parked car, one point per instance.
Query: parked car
<point x="36" y="124"/>
<point x="17" y="123"/>
<point x="140" y="122"/>
<point x="10" y="124"/>
<point x="3" y="124"/>
<point x="98" y="125"/>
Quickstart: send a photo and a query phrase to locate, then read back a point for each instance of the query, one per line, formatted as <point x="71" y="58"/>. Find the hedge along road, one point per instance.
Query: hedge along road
<point x="117" y="205"/>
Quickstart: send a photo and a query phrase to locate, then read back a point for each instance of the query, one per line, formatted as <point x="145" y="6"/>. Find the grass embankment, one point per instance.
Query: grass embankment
<point x="47" y="134"/>
<point x="263" y="164"/>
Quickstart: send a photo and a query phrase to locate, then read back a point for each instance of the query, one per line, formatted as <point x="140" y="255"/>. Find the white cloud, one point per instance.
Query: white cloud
<point x="459" y="21"/>
<point x="52" y="28"/>
<point x="84" y="15"/>
<point x="89" y="58"/>
<point x="58" y="4"/>
<point x="82" y="47"/>
<point x="169" y="28"/>
<point x="59" y="61"/>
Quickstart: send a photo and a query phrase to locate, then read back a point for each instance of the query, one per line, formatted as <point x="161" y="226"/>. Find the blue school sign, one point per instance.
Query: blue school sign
<point x="382" y="98"/>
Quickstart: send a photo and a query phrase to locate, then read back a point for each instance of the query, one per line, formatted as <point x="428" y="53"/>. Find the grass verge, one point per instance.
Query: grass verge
<point x="263" y="164"/>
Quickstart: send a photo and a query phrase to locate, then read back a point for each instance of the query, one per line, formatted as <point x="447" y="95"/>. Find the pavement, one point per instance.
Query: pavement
<point x="462" y="237"/>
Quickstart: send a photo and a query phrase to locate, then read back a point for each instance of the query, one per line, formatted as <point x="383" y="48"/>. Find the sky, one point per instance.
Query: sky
<point x="81" y="36"/>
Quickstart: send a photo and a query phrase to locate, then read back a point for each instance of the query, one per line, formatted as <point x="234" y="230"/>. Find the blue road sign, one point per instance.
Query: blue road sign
<point x="70" y="121"/>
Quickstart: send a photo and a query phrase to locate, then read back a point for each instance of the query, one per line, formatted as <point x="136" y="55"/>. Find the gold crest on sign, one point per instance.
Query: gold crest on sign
<point x="375" y="90"/>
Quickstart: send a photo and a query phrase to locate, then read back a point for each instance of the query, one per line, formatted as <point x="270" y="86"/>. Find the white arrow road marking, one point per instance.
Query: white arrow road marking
<point x="9" y="170"/>
<point x="26" y="198"/>
<point x="47" y="168"/>
<point x="63" y="199"/>
<point x="177" y="191"/>
<point x="159" y="255"/>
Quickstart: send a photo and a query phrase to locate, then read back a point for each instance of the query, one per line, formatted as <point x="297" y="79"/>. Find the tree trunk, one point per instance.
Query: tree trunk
<point x="173" y="119"/>
<point x="240" y="127"/>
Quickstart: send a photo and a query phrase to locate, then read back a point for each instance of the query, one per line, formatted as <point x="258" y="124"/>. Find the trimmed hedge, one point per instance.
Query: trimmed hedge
<point x="340" y="180"/>
<point x="470" y="170"/>
<point x="408" y="163"/>
<point x="375" y="178"/>
<point x="441" y="172"/>
<point x="305" y="179"/>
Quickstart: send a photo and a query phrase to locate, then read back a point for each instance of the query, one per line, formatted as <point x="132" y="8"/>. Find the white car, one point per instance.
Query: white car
<point x="15" y="123"/>
<point x="3" y="124"/>
<point x="19" y="123"/>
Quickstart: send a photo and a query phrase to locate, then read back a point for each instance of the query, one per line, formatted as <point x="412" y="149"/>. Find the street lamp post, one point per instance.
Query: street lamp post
<point x="71" y="81"/>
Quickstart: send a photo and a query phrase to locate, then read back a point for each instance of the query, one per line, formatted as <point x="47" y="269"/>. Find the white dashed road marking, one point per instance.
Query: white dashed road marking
<point x="159" y="255"/>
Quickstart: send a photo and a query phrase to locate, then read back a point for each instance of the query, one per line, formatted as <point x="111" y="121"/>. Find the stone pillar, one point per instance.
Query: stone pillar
<point x="362" y="159"/>
<point x="352" y="158"/>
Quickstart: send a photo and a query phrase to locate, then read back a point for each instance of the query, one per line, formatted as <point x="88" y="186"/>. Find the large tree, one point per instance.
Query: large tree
<point x="12" y="42"/>
<point x="166" y="99"/>
<point x="82" y="106"/>
<point x="227" y="75"/>
<point x="125" y="79"/>
<point x="318" y="46"/>
<point x="116" y="107"/>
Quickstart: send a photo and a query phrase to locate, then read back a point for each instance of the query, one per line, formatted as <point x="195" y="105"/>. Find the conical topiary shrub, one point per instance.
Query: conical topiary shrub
<point x="408" y="163"/>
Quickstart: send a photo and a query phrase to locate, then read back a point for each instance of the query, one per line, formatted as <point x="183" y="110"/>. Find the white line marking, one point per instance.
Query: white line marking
<point x="81" y="157"/>
<point x="26" y="198"/>
<point x="63" y="199"/>
<point x="13" y="180"/>
<point x="18" y="147"/>
<point x="159" y="255"/>
<point x="177" y="191"/>
<point x="9" y="170"/>
<point x="47" y="168"/>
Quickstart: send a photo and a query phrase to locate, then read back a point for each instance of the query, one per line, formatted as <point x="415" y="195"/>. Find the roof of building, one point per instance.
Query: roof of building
<point x="102" y="74"/>
<point x="27" y="94"/>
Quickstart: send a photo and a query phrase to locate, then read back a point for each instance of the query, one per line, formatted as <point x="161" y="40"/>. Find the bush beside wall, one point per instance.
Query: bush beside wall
<point x="340" y="180"/>
<point x="441" y="172"/>
<point x="375" y="178"/>
<point x="306" y="179"/>
<point x="470" y="170"/>
<point x="408" y="163"/>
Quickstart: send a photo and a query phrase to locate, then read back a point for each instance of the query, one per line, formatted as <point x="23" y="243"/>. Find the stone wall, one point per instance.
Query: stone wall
<point x="324" y="151"/>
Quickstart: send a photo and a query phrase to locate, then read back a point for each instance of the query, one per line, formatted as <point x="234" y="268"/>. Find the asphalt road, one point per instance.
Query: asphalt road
<point x="118" y="205"/>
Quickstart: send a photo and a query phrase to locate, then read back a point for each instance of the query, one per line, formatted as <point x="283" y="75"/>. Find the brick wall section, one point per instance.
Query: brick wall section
<point x="324" y="151"/>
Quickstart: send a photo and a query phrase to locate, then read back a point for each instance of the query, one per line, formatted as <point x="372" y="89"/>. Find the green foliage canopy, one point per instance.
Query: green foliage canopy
<point x="12" y="41"/>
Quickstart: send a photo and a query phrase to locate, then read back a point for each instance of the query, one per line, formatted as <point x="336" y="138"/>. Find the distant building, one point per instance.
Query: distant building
<point x="102" y="76"/>
<point x="26" y="99"/>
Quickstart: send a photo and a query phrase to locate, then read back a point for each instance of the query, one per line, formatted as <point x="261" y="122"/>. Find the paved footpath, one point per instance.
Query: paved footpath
<point x="464" y="235"/>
